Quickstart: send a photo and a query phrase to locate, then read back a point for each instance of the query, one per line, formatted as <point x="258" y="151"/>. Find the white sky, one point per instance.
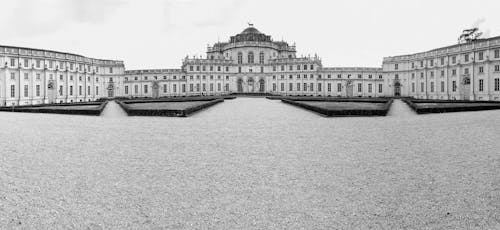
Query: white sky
<point x="159" y="33"/>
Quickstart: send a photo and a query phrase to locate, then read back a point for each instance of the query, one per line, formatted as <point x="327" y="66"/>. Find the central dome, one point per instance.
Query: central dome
<point x="250" y="34"/>
<point x="251" y="30"/>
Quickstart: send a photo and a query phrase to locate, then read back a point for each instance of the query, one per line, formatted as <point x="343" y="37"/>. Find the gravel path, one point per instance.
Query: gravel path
<point x="166" y="105"/>
<point x="250" y="163"/>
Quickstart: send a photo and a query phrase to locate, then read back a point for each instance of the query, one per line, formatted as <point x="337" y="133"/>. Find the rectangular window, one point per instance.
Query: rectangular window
<point x="432" y="87"/>
<point x="110" y="69"/>
<point x="126" y="89"/>
<point x="432" y="62"/>
<point x="413" y="87"/>
<point x="290" y="86"/>
<point x="442" y="61"/>
<point x="282" y="86"/>
<point x="219" y="87"/>
<point x="497" y="84"/>
<point x="25" y="90"/>
<point x="453" y="86"/>
<point x="481" y="85"/>
<point x="12" y="76"/>
<point x="71" y="90"/>
<point x="60" y="90"/>
<point x="481" y="69"/>
<point x="136" y="89"/>
<point x="12" y="91"/>
<point x="497" y="68"/>
<point x="183" y="88"/>
<point x="37" y="76"/>
<point x="97" y="90"/>
<point x="442" y="87"/>
<point x="37" y="90"/>
<point x="298" y="86"/>
<point x="466" y="57"/>
<point x="88" y="90"/>
<point x="274" y="86"/>
<point x="305" y="87"/>
<point x="145" y="89"/>
<point x="312" y="87"/>
<point x="12" y="62"/>
<point x="80" y="90"/>
<point x="329" y="87"/>
<point x="191" y="87"/>
<point x="422" y="86"/>
<point x="396" y="66"/>
<point x="339" y="87"/>
<point x="454" y="59"/>
<point x="497" y="53"/>
<point x="26" y="63"/>
<point x="481" y="56"/>
<point x="26" y="76"/>
<point x="369" y="88"/>
<point x="453" y="72"/>
<point x="164" y="88"/>
<point x="380" y="88"/>
<point x="319" y="87"/>
<point x="174" y="88"/>
<point x="360" y="87"/>
<point x="466" y="71"/>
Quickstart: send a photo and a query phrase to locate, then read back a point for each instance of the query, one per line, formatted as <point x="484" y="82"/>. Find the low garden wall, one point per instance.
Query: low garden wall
<point x="447" y="106"/>
<point x="166" y="112"/>
<point x="344" y="112"/>
<point x="64" y="108"/>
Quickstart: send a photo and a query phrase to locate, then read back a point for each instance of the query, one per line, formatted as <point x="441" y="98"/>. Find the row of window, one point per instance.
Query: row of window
<point x="454" y="72"/>
<point x="71" y="66"/>
<point x="204" y="68"/>
<point x="61" y="90"/>
<point x="310" y="87"/>
<point x="250" y="58"/>
<point x="329" y="76"/>
<point x="453" y="59"/>
<point x="203" y="77"/>
<point x="496" y="86"/>
<point x="61" y="77"/>
<point x="290" y="67"/>
<point x="192" y="88"/>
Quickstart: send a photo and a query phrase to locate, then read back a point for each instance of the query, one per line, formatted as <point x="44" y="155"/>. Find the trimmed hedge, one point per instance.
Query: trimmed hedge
<point x="414" y="104"/>
<point x="42" y="108"/>
<point x="343" y="112"/>
<point x="166" y="112"/>
<point x="175" y="99"/>
<point x="333" y="99"/>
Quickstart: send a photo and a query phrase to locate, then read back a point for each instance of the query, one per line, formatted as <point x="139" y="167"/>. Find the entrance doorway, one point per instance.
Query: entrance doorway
<point x="262" y="88"/>
<point x="111" y="92"/>
<point x="239" y="84"/>
<point x="156" y="88"/>
<point x="349" y="88"/>
<point x="397" y="89"/>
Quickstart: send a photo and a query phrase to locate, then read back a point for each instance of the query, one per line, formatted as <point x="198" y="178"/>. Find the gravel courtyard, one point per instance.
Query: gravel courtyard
<point x="250" y="163"/>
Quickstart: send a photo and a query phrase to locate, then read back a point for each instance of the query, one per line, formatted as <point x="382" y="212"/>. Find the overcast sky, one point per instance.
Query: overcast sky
<point x="159" y="33"/>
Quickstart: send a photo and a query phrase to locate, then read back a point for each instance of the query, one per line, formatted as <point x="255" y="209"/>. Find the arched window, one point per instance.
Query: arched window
<point x="250" y="57"/>
<point x="240" y="58"/>
<point x="261" y="57"/>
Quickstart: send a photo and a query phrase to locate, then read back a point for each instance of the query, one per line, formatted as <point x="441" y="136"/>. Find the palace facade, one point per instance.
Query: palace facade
<point x="469" y="71"/>
<point x="251" y="62"/>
